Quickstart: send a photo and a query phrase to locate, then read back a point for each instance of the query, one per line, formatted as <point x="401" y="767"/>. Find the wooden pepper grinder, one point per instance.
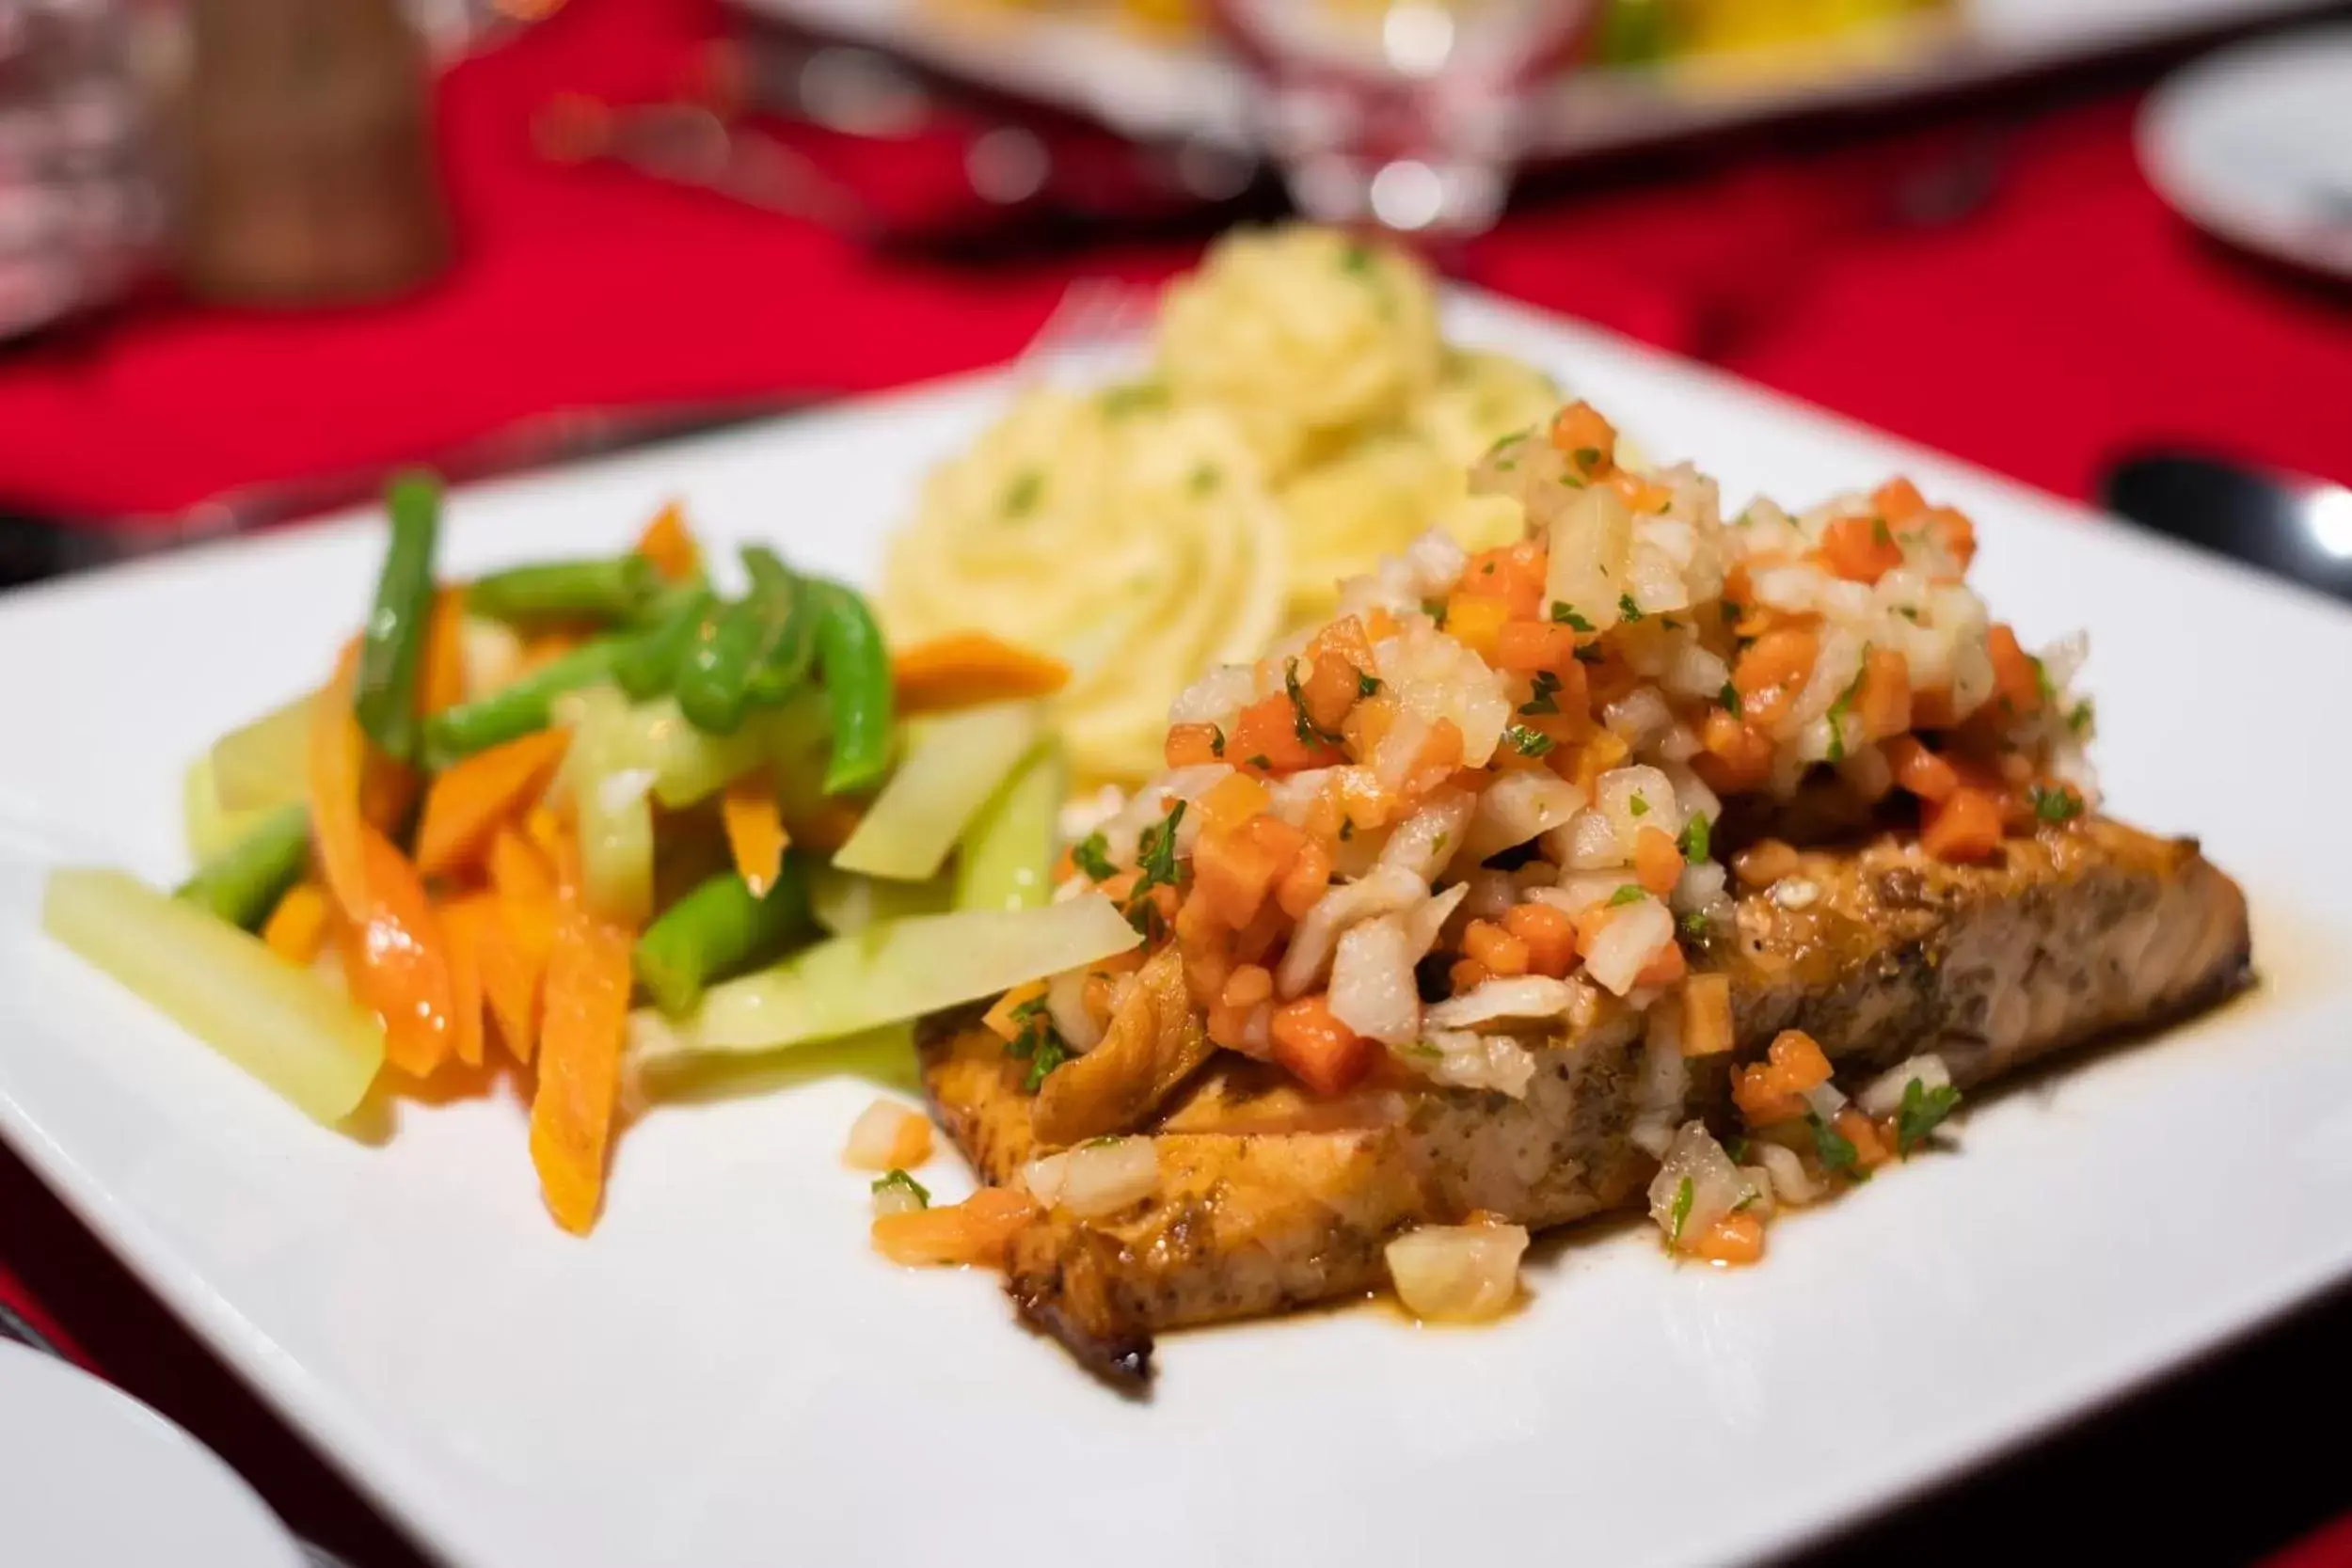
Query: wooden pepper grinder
<point x="309" y="174"/>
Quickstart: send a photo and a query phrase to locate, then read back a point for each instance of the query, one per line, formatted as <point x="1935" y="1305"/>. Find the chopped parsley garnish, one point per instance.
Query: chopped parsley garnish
<point x="1835" y="1150"/>
<point x="1626" y="608"/>
<point x="1217" y="740"/>
<point x="1355" y="261"/>
<point x="1155" y="852"/>
<point x="1127" y="400"/>
<point x="1748" y="1196"/>
<point x="900" y="1181"/>
<point x="1729" y="697"/>
<point x="1488" y="570"/>
<point x="1737" y="1146"/>
<point x="2079" y="717"/>
<point x="1302" y="722"/>
<point x="1696" y="926"/>
<point x="1637" y="806"/>
<point x="1435" y="609"/>
<point x="1908" y="613"/>
<point x="1527" y="742"/>
<point x="1670" y="623"/>
<point x="1587" y="458"/>
<point x="1050" y="1055"/>
<point x="1258" y="760"/>
<point x="1543" y="694"/>
<point x="2041" y="681"/>
<point x="1684" y="1197"/>
<point x="1348" y="829"/>
<point x="1021" y="496"/>
<point x="1565" y="615"/>
<point x="2060" y="804"/>
<point x="1092" y="855"/>
<point x="1204" y="479"/>
<point x="1696" y="838"/>
<point x="1844" y="705"/>
<point x="1503" y="441"/>
<point x="1367" y="683"/>
<point x="1922" y="1110"/>
<point x="1629" y="894"/>
<point x="1879" y="534"/>
<point x="1588" y="656"/>
<point x="1422" y="1049"/>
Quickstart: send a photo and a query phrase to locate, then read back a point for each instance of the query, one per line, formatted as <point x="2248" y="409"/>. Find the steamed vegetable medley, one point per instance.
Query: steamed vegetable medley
<point x="516" y="804"/>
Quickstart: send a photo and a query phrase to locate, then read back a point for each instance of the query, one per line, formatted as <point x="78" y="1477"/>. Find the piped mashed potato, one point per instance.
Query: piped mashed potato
<point x="1303" y="416"/>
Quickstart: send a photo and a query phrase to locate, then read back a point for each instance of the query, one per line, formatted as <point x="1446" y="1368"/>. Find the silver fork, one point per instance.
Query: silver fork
<point x="1094" y="318"/>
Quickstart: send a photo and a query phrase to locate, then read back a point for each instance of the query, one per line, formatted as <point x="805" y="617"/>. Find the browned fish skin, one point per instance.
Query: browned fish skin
<point x="1268" y="1200"/>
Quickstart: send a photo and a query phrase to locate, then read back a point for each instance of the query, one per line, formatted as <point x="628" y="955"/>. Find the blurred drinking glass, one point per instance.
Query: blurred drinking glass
<point x="1409" y="114"/>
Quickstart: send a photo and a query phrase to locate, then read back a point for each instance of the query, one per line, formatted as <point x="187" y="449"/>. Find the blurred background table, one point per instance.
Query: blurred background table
<point x="1989" y="274"/>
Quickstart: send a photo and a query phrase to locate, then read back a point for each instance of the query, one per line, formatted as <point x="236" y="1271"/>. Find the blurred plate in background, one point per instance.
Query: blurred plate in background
<point x="2255" y="144"/>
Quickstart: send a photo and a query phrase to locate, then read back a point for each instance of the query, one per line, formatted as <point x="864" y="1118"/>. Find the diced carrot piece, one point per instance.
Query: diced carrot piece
<point x="1966" y="825"/>
<point x="1756" y="1090"/>
<point x="1920" y="771"/>
<point x="1513" y="575"/>
<point x="1882" y="700"/>
<point x="1898" y="500"/>
<point x="1192" y="745"/>
<point x="1931" y="709"/>
<point x="1591" y="922"/>
<point x="1476" y="623"/>
<point x="977" y="1230"/>
<point x="297" y="928"/>
<point x="1548" y="934"/>
<point x="1349" y="638"/>
<point x="1860" y="549"/>
<point x="1870" y="1151"/>
<point x="1002" y="1018"/>
<point x="669" y="545"/>
<point x="1657" y="863"/>
<point x="1737" y="759"/>
<point x="1308" y="875"/>
<point x="1440" y="755"/>
<point x="2015" y="675"/>
<point x="1642" y="497"/>
<point x="1707" y="1024"/>
<point x="1589" y="440"/>
<point x="580" y="1065"/>
<point x="1666" y="968"/>
<point x="1232" y="802"/>
<point x="466" y="804"/>
<point x="1731" y="1241"/>
<point x="1770" y="673"/>
<point x="1528" y="646"/>
<point x="1494" y="949"/>
<point x="1247" y="986"/>
<point x="1233" y="871"/>
<point x="1952" y="529"/>
<point x="967" y="668"/>
<point x="463" y="921"/>
<point x="1797" y="1058"/>
<point x="1467" y="974"/>
<point x="1317" y="1049"/>
<point x="1265" y="736"/>
<point x="754" y="829"/>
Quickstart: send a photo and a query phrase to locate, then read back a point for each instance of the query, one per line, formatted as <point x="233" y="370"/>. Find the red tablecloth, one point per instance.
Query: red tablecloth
<point x="2066" y="318"/>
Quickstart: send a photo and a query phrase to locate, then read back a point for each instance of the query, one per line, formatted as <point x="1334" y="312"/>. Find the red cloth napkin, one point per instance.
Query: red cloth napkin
<point x="2067" y="318"/>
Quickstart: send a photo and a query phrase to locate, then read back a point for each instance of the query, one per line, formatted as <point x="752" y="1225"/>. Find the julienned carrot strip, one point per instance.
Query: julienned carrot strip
<point x="466" y="804"/>
<point x="519" y="867"/>
<point x="965" y="668"/>
<point x="557" y="844"/>
<point x="337" y="761"/>
<point x="1966" y="825"/>
<point x="580" y="1065"/>
<point x="462" y="923"/>
<point x="297" y="928"/>
<point x="754" y="827"/>
<point x="514" y="950"/>
<point x="667" y="544"/>
<point x="396" y="956"/>
<point x="442" y="682"/>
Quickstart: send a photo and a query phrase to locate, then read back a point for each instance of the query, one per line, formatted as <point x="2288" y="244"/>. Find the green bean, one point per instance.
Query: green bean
<point x="391" y="649"/>
<point x="245" y="882"/>
<point x="856" y="670"/>
<point x="717" y="930"/>
<point x="788" y="647"/>
<point x="608" y="589"/>
<point x="714" y="680"/>
<point x="650" y="663"/>
<point x="522" y="708"/>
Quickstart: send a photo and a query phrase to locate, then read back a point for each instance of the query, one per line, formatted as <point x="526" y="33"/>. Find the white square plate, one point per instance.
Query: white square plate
<point x="724" y="1374"/>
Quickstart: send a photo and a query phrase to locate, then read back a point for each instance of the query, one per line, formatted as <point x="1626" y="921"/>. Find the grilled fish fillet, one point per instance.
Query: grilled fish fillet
<point x="1269" y="1199"/>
